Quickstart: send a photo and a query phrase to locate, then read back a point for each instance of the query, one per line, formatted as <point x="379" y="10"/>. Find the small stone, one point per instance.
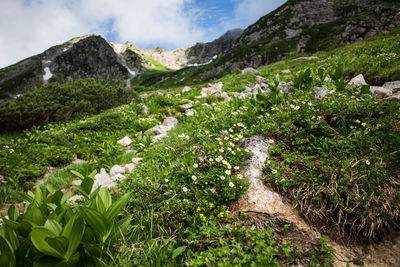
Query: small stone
<point x="247" y="90"/>
<point x="186" y="89"/>
<point x="126" y="141"/>
<point x="260" y="80"/>
<point x="77" y="182"/>
<point x="168" y="95"/>
<point x="328" y="80"/>
<point x="144" y="96"/>
<point x="358" y="81"/>
<point x="1" y="179"/>
<point x="75" y="198"/>
<point x="159" y="93"/>
<point x="145" y="109"/>
<point x="320" y="92"/>
<point x="249" y="71"/>
<point x="187" y="106"/>
<point x="129" y="168"/>
<point x="211" y="89"/>
<point x="116" y="169"/>
<point x="190" y="112"/>
<point x="305" y="58"/>
<point x="286" y="71"/>
<point x="136" y="160"/>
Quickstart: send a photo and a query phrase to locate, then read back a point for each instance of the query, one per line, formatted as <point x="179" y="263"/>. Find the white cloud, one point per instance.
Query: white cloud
<point x="249" y="11"/>
<point x="29" y="27"/>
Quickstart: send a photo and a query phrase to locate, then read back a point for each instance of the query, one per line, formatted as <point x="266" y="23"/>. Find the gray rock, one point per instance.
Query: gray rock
<point x="101" y="179"/>
<point x="186" y="89"/>
<point x="256" y="88"/>
<point x="320" y="92"/>
<point x="358" y="81"/>
<point x="129" y="168"/>
<point x="1" y="179"/>
<point x="395" y="97"/>
<point x="187" y="106"/>
<point x="145" y="109"/>
<point x="77" y="182"/>
<point x="161" y="130"/>
<point x="159" y="93"/>
<point x="144" y="96"/>
<point x="393" y="86"/>
<point x="247" y="90"/>
<point x="328" y="80"/>
<point x="136" y="160"/>
<point x="249" y="71"/>
<point x="305" y="58"/>
<point x="116" y="169"/>
<point x="260" y="80"/>
<point x="380" y="91"/>
<point x="264" y="85"/>
<point x="190" y="112"/>
<point x="224" y="95"/>
<point x="286" y="71"/>
<point x="239" y="95"/>
<point x="126" y="141"/>
<point x="286" y="87"/>
<point x="168" y="95"/>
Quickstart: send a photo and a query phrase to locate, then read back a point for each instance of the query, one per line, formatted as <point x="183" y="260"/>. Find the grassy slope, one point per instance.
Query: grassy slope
<point x="376" y="57"/>
<point x="338" y="166"/>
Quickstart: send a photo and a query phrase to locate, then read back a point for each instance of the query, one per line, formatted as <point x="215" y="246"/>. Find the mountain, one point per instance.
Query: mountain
<point x="297" y="27"/>
<point x="84" y="57"/>
<point x="92" y="56"/>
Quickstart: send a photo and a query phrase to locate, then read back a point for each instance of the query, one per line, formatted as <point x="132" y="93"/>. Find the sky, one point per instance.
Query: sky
<point x="28" y="27"/>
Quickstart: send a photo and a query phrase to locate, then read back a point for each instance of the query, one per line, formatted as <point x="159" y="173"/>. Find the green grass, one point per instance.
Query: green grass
<point x="155" y="65"/>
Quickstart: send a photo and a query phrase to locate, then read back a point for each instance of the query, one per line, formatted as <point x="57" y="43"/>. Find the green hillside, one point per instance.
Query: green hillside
<point x="334" y="158"/>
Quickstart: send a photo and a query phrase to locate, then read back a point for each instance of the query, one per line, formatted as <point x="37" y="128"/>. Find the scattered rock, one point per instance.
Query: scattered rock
<point x="1" y="179"/>
<point x="77" y="160"/>
<point x="136" y="160"/>
<point x="211" y="89"/>
<point x="320" y="92"/>
<point x="177" y="95"/>
<point x="75" y="198"/>
<point x="393" y="86"/>
<point x="305" y="58"/>
<point x="380" y="91"/>
<point x="77" y="182"/>
<point x="190" y="112"/>
<point x="286" y="87"/>
<point x="205" y="105"/>
<point x="101" y="179"/>
<point x="395" y="97"/>
<point x="129" y="168"/>
<point x="126" y="141"/>
<point x="145" y="109"/>
<point x="168" y="95"/>
<point x="159" y="93"/>
<point x="239" y="95"/>
<point x="248" y="90"/>
<point x="161" y="130"/>
<point x="249" y="71"/>
<point x="260" y="80"/>
<point x="116" y="169"/>
<point x="224" y="95"/>
<point x="328" y="80"/>
<point x="358" y="81"/>
<point x="255" y="89"/>
<point x="286" y="71"/>
<point x="187" y="106"/>
<point x="144" y="96"/>
<point x="186" y="89"/>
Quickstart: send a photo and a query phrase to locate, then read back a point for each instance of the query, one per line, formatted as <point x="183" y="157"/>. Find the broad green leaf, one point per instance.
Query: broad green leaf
<point x="53" y="226"/>
<point x="56" y="197"/>
<point x="13" y="213"/>
<point x="87" y="185"/>
<point x="93" y="174"/>
<point x="39" y="236"/>
<point x="116" y="208"/>
<point x="51" y="189"/>
<point x="105" y="196"/>
<point x="38" y="195"/>
<point x="95" y="219"/>
<point x="121" y="226"/>
<point x="59" y="243"/>
<point x="7" y="257"/>
<point x="77" y="174"/>
<point x="178" y="251"/>
<point x="34" y="215"/>
<point x="99" y="205"/>
<point x="73" y="231"/>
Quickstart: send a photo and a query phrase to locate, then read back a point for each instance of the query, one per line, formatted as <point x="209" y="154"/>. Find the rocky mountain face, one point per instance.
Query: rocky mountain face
<point x="84" y="57"/>
<point x="307" y="26"/>
<point x="203" y="53"/>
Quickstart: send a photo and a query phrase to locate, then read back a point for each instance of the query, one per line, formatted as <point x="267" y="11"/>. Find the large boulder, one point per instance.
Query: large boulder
<point x="393" y="86"/>
<point x="249" y="71"/>
<point x="358" y="81"/>
<point x="116" y="169"/>
<point x="395" y="97"/>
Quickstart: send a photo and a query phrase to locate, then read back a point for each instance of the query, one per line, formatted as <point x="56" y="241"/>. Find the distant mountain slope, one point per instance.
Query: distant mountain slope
<point x="299" y="26"/>
<point x="80" y="58"/>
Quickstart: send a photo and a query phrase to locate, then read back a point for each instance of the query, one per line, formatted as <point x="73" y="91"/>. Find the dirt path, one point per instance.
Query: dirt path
<point x="262" y="199"/>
